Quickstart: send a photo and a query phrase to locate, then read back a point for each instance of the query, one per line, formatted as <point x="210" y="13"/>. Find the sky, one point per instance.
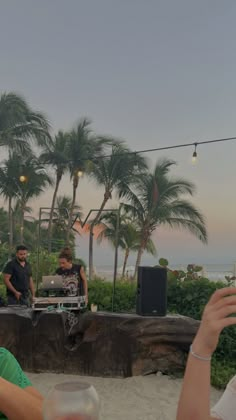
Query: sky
<point x="154" y="73"/>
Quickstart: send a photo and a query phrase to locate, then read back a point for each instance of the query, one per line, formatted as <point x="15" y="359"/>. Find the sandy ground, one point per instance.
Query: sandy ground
<point x="151" y="397"/>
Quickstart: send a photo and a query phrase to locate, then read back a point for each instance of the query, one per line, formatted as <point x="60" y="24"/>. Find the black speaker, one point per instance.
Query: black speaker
<point x="152" y="291"/>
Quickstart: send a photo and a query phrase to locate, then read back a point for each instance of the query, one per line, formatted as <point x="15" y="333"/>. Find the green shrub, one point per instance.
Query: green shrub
<point x="221" y="372"/>
<point x="48" y="263"/>
<point x="100" y="293"/>
<point x="190" y="297"/>
<point x="4" y="256"/>
<point x="2" y="289"/>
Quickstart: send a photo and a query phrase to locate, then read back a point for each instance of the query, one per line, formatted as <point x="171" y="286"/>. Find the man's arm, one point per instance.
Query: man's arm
<point x="6" y="278"/>
<point x="31" y="287"/>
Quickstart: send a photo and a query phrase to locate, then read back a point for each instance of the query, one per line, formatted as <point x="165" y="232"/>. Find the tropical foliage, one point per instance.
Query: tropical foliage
<point x="156" y="199"/>
<point x="19" y="123"/>
<point x="82" y="148"/>
<point x="115" y="172"/>
<point x="54" y="155"/>
<point x="128" y="235"/>
<point x="146" y="200"/>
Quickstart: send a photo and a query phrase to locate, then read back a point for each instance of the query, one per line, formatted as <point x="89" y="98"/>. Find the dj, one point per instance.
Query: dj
<point x="68" y="269"/>
<point x="17" y="275"/>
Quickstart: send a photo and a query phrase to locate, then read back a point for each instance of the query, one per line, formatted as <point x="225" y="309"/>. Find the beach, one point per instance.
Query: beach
<point x="152" y="397"/>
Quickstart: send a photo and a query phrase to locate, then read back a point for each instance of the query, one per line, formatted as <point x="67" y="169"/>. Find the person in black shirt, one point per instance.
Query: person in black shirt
<point x="17" y="275"/>
<point x="68" y="269"/>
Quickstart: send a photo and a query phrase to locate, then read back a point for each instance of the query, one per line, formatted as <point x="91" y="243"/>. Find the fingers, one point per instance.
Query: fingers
<point x="228" y="300"/>
<point x="226" y="322"/>
<point x="216" y="316"/>
<point x="226" y="311"/>
<point x="222" y="308"/>
<point x="221" y="293"/>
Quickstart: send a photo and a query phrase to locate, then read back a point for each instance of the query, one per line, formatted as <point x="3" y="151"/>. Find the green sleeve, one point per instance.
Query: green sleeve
<point x="11" y="370"/>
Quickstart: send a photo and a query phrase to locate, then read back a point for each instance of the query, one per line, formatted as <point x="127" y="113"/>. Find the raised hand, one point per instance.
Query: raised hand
<point x="215" y="318"/>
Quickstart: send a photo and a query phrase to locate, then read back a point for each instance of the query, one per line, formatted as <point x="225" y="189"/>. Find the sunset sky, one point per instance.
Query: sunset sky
<point x="151" y="72"/>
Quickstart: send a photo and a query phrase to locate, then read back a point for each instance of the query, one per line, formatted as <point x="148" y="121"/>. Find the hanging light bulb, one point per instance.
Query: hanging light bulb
<point x="194" y="157"/>
<point x="135" y="161"/>
<point x="23" y="178"/>
<point x="80" y="173"/>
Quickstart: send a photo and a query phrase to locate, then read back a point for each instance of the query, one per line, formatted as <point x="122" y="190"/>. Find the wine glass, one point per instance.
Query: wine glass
<point x="72" y="401"/>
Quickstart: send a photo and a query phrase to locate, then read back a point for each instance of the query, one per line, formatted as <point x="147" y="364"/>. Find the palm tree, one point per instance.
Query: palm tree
<point x="129" y="235"/>
<point x="31" y="185"/>
<point x="54" y="155"/>
<point x="63" y="204"/>
<point x="4" y="230"/>
<point x="131" y="241"/>
<point x="59" y="224"/>
<point x="156" y="200"/>
<point x="81" y="149"/>
<point x="19" y="123"/>
<point x="61" y="214"/>
<point x="9" y="188"/>
<point x="30" y="225"/>
<point x="115" y="172"/>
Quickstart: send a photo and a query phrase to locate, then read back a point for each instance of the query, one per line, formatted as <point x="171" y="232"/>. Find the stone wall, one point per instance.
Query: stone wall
<point x="99" y="344"/>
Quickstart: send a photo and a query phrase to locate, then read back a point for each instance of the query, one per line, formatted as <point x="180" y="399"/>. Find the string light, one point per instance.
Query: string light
<point x="194" y="157"/>
<point x="23" y="178"/>
<point x="156" y="149"/>
<point x="80" y="173"/>
<point x="135" y="161"/>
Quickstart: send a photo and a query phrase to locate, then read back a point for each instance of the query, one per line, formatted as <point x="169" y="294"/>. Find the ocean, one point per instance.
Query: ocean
<point x="213" y="272"/>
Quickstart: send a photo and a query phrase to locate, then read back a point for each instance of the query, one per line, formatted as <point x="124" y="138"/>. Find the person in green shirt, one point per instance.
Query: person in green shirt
<point x="19" y="400"/>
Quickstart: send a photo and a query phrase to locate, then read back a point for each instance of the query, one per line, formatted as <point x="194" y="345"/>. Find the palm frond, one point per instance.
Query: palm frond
<point x="19" y="122"/>
<point x="196" y="228"/>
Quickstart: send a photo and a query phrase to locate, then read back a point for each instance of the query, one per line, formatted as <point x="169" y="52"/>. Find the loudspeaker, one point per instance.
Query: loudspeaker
<point x="152" y="291"/>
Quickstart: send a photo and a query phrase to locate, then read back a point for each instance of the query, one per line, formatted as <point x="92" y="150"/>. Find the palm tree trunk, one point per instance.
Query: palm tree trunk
<point x="125" y="261"/>
<point x="139" y="256"/>
<point x="91" y="234"/>
<point x="22" y="223"/>
<point x="69" y="226"/>
<point x="10" y="218"/>
<point x="140" y="253"/>
<point x="91" y="269"/>
<point x="50" y="224"/>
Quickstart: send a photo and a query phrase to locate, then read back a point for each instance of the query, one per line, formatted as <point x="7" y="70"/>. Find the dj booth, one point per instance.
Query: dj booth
<point x="75" y="303"/>
<point x="60" y="293"/>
